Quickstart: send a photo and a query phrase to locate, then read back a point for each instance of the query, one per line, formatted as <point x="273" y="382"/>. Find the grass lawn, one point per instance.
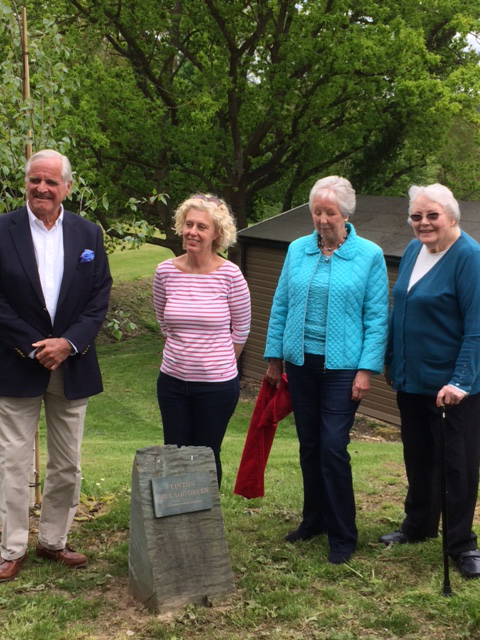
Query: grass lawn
<point x="282" y="591"/>
<point x="133" y="264"/>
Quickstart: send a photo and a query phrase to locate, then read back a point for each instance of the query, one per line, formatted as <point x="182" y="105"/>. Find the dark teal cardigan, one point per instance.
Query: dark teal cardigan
<point x="434" y="336"/>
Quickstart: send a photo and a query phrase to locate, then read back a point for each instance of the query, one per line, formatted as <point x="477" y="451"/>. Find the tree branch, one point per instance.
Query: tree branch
<point x="221" y="23"/>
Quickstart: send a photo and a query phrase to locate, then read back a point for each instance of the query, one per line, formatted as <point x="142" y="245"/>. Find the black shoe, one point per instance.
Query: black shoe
<point x="398" y="537"/>
<point x="299" y="535"/>
<point x="339" y="557"/>
<point x="468" y="563"/>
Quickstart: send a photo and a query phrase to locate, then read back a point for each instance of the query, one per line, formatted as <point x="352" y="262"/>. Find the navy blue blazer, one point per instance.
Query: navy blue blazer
<point x="24" y="319"/>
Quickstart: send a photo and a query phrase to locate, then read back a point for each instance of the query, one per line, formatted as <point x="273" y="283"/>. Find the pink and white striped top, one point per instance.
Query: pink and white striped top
<point x="201" y="315"/>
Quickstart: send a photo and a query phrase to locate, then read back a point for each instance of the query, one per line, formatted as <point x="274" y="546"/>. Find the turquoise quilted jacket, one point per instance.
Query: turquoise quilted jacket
<point x="357" y="318"/>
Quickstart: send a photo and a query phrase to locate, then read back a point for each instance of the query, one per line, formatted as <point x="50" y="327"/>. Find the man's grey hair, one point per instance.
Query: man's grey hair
<point x="51" y="153"/>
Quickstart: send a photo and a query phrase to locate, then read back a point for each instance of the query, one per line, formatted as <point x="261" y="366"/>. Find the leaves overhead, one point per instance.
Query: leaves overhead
<point x="254" y="100"/>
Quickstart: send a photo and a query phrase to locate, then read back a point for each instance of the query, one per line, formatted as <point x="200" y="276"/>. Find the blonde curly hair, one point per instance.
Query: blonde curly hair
<point x="222" y="217"/>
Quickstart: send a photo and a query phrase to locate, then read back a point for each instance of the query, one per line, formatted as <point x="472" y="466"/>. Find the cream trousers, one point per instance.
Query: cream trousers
<point x="18" y="424"/>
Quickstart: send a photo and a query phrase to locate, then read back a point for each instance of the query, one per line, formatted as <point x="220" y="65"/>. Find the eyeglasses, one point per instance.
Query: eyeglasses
<point x="431" y="217"/>
<point x="201" y="196"/>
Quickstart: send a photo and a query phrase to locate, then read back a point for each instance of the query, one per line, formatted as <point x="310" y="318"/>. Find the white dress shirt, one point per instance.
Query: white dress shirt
<point x="48" y="246"/>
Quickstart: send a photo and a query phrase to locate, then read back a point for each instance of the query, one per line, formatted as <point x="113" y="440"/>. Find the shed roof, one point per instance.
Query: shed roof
<point x="382" y="219"/>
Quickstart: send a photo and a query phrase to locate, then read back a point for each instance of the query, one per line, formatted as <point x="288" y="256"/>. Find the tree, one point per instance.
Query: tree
<point x="458" y="163"/>
<point x="254" y="99"/>
<point x="34" y="119"/>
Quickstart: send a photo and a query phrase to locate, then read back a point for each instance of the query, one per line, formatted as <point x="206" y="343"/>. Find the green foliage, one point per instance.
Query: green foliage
<point x="119" y="322"/>
<point x="33" y="120"/>
<point x="458" y="165"/>
<point x="40" y="120"/>
<point x="133" y="233"/>
<point x="254" y="100"/>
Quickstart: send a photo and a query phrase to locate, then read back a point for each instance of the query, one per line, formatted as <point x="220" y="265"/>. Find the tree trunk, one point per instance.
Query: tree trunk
<point x="236" y="198"/>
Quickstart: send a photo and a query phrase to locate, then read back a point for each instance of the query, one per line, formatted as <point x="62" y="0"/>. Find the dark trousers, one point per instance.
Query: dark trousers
<point x="324" y="413"/>
<point x="197" y="413"/>
<point x="421" y="449"/>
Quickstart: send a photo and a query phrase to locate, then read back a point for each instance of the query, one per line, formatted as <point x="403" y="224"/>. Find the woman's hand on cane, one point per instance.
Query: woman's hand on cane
<point x="450" y="395"/>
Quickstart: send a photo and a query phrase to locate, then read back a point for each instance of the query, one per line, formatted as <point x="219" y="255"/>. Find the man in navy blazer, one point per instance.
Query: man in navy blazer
<point x="54" y="290"/>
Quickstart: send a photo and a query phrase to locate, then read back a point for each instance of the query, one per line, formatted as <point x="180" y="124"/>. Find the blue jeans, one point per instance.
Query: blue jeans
<point x="197" y="413"/>
<point x="324" y="413"/>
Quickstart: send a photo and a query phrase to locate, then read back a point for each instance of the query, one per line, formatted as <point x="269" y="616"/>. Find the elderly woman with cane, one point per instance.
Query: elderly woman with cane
<point x="329" y="324"/>
<point x="433" y="360"/>
<point x="202" y="304"/>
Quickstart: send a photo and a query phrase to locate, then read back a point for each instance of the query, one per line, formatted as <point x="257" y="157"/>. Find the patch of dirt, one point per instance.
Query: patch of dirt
<point x="368" y="429"/>
<point x="249" y="389"/>
<point x="88" y="509"/>
<point x="364" y="428"/>
<point x="130" y="302"/>
<point x="125" y="618"/>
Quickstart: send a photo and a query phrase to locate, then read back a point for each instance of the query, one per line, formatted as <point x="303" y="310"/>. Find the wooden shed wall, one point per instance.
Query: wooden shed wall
<point x="262" y="266"/>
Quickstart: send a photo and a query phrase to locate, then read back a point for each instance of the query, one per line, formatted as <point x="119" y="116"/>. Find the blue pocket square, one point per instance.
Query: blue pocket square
<point x="87" y="256"/>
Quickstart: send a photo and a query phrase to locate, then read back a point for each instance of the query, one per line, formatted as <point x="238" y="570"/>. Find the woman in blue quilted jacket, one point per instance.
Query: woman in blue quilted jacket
<point x="328" y="323"/>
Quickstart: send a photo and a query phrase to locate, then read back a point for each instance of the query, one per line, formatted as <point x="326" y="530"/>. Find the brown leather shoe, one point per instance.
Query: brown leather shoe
<point x="67" y="556"/>
<point x="9" y="569"/>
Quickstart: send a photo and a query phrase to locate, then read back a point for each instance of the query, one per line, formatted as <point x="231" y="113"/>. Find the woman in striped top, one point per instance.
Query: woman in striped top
<point x="202" y="304"/>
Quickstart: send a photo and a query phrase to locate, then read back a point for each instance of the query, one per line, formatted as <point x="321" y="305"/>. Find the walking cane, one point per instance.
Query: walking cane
<point x="447" y="590"/>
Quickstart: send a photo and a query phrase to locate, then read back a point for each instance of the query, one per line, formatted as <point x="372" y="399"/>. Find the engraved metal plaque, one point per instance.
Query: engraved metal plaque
<point x="173" y="495"/>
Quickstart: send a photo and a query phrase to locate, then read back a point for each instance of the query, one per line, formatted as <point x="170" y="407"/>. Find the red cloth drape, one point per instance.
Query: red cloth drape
<point x="272" y="405"/>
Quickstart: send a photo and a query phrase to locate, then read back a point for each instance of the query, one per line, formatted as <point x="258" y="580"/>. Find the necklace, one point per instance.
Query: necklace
<point x="321" y="244"/>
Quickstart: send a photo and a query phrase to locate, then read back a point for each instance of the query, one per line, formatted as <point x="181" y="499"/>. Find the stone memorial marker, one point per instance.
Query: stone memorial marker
<point x="178" y="553"/>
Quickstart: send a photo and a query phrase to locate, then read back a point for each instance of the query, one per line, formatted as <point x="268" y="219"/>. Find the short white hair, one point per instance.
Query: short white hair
<point x="337" y="189"/>
<point x="436" y="193"/>
<point x="51" y="153"/>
